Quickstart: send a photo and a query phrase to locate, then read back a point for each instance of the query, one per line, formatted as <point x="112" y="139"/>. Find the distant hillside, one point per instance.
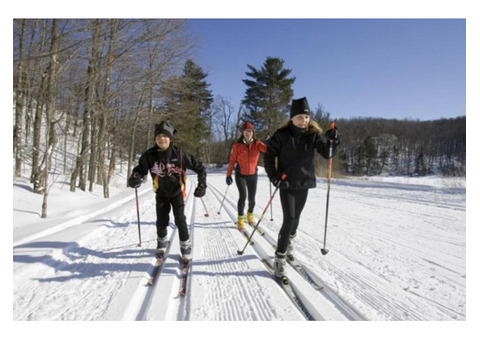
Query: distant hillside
<point x="375" y="146"/>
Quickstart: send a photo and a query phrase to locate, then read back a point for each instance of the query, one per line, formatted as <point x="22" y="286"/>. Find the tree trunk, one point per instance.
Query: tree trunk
<point x="19" y="105"/>
<point x="50" y="136"/>
<point x="82" y="160"/>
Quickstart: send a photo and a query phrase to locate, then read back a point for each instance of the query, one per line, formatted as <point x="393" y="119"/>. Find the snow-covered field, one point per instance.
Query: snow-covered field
<point x="397" y="251"/>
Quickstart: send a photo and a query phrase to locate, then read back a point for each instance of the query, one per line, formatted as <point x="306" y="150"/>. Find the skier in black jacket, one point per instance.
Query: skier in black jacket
<point x="167" y="165"/>
<point x="290" y="152"/>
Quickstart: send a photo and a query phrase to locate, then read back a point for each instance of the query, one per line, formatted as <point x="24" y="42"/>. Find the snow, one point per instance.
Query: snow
<point x="397" y="251"/>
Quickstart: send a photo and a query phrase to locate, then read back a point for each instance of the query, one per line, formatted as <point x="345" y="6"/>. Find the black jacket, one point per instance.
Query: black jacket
<point x="167" y="169"/>
<point x="293" y="148"/>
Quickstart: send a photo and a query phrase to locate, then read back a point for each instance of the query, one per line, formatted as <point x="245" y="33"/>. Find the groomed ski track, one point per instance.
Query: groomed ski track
<point x="243" y="287"/>
<point x="397" y="252"/>
<point x="222" y="284"/>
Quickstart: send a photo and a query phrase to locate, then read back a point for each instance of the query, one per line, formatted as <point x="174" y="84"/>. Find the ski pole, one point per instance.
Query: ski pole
<point x="270" y="184"/>
<point x="138" y="220"/>
<point x="205" y="207"/>
<point x="240" y="252"/>
<point x="271" y="205"/>
<point x="329" y="176"/>
<point x="221" y="205"/>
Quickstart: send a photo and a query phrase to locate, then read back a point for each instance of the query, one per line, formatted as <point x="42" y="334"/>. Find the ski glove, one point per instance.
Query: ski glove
<point x="333" y="134"/>
<point x="229" y="180"/>
<point x="135" y="180"/>
<point x="200" y="190"/>
<point x="279" y="183"/>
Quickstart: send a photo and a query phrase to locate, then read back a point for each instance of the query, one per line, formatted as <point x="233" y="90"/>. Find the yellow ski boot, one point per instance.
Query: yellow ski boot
<point x="241" y="222"/>
<point x="250" y="219"/>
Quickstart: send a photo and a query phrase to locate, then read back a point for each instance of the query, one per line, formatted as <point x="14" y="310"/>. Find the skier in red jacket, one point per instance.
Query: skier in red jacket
<point x="245" y="154"/>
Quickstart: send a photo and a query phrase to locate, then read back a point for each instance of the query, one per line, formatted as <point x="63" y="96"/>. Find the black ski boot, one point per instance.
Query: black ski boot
<point x="186" y="250"/>
<point x="279" y="265"/>
<point x="162" y="244"/>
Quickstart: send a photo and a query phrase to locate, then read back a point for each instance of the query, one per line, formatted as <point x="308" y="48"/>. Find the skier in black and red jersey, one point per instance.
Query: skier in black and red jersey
<point x="167" y="165"/>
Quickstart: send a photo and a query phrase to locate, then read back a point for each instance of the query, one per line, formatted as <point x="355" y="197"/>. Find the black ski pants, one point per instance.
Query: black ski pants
<point x="246" y="184"/>
<point x="293" y="202"/>
<point x="163" y="207"/>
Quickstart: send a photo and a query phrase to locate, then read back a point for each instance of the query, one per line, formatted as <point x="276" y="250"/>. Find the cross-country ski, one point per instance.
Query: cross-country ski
<point x="185" y="266"/>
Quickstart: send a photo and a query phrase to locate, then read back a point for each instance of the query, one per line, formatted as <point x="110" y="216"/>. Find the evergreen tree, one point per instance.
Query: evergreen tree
<point x="187" y="105"/>
<point x="322" y="117"/>
<point x="420" y="165"/>
<point x="268" y="95"/>
<point x="371" y="166"/>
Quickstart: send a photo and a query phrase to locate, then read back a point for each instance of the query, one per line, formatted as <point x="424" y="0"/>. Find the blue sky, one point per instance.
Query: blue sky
<point x="390" y="68"/>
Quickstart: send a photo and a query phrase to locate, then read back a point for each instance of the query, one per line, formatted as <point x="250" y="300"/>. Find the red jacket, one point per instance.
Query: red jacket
<point x="246" y="157"/>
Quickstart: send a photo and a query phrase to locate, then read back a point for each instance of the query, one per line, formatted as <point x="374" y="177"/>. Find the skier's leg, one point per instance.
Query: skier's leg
<point x="287" y="199"/>
<point x="178" y="205"/>
<point x="163" y="212"/>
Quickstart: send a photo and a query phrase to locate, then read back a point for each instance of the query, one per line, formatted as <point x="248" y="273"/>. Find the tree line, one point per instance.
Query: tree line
<point x="374" y="146"/>
<point x="94" y="88"/>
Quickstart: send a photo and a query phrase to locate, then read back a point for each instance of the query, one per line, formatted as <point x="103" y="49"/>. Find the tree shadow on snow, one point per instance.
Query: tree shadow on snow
<point x="115" y="224"/>
<point x="82" y="262"/>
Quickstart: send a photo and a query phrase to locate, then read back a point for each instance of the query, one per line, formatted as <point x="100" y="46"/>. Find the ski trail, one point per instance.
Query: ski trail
<point x="161" y="302"/>
<point x="324" y="304"/>
<point x="241" y="287"/>
<point x="89" y="267"/>
<point x="81" y="219"/>
<point x="97" y="266"/>
<point x="374" y="287"/>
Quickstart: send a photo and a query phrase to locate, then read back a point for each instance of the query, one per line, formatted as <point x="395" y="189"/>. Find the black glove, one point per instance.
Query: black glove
<point x="200" y="190"/>
<point x="333" y="134"/>
<point x="135" y="180"/>
<point x="229" y="180"/>
<point x="279" y="183"/>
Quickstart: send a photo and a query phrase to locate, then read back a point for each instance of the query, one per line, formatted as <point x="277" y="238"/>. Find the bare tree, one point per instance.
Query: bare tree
<point x="20" y="98"/>
<point x="165" y="49"/>
<point x="106" y="78"/>
<point x="105" y="118"/>
<point x="50" y="97"/>
<point x="79" y="172"/>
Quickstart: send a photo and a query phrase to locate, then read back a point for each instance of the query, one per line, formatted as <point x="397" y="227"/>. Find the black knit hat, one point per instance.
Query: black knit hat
<point x="299" y="106"/>
<point x="166" y="128"/>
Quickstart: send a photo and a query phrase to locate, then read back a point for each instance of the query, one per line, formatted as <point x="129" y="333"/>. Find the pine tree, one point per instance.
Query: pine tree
<point x="322" y="117"/>
<point x="371" y="165"/>
<point x="187" y="105"/>
<point x="420" y="165"/>
<point x="268" y="95"/>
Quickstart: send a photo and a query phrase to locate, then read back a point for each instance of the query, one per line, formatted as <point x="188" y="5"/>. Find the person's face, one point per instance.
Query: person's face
<point x="248" y="134"/>
<point x="163" y="141"/>
<point x="301" y="120"/>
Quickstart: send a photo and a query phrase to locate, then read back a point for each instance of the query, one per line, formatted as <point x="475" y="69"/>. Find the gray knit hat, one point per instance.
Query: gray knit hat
<point x="166" y="128"/>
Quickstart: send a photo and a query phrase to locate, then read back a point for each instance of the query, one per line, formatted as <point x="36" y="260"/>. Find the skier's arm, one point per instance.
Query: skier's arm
<point x="138" y="172"/>
<point x="232" y="160"/>
<point x="191" y="163"/>
<point x="271" y="153"/>
<point x="262" y="147"/>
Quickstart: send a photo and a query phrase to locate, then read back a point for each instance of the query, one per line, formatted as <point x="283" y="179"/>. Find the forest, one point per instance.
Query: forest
<point x="94" y="88"/>
<point x="403" y="147"/>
